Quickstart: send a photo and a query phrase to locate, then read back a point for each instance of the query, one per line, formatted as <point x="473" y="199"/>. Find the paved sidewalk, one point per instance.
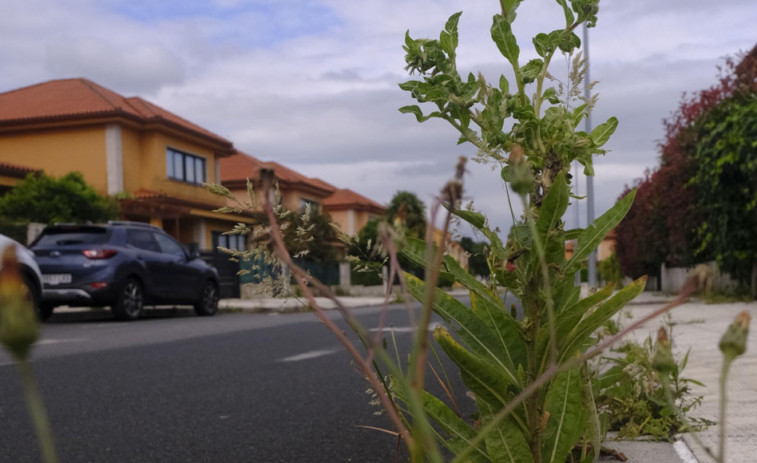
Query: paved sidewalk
<point x="699" y="326"/>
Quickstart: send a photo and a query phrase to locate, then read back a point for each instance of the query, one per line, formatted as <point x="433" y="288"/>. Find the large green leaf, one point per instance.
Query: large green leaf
<point x="415" y="251"/>
<point x="414" y="109"/>
<point x="448" y="38"/>
<point x="590" y="237"/>
<point x="570" y="317"/>
<point x="531" y="70"/>
<point x="580" y="335"/>
<point x="507" y="442"/>
<point x="478" y="221"/>
<point x="553" y="207"/>
<point x="566" y="416"/>
<point x="602" y="132"/>
<point x="459" y="433"/>
<point x="564" y="292"/>
<point x="569" y="18"/>
<point x="488" y="307"/>
<point x="481" y="375"/>
<point x="503" y="36"/>
<point x="503" y="324"/>
<point x="474" y="332"/>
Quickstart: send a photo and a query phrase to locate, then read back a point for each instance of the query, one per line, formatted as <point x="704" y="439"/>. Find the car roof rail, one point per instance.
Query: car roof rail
<point x="132" y="224"/>
<point x="69" y="224"/>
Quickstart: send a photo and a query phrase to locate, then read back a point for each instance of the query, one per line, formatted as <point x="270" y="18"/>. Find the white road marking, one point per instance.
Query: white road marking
<point x="308" y="355"/>
<point x="684" y="452"/>
<point x="45" y="342"/>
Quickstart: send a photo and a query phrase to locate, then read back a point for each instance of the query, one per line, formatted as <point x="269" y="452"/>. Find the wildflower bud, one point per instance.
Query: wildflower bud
<point x="733" y="342"/>
<point x="18" y="321"/>
<point x="663" y="361"/>
<point x="516" y="154"/>
<point x="522" y="180"/>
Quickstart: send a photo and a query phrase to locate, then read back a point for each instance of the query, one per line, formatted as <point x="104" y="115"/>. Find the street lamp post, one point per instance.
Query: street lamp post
<point x="589" y="178"/>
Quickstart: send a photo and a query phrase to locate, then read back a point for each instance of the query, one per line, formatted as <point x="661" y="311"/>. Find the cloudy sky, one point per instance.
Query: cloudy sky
<point x="313" y="83"/>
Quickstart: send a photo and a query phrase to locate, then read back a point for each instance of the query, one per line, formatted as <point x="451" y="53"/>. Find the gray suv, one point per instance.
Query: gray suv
<point x="124" y="265"/>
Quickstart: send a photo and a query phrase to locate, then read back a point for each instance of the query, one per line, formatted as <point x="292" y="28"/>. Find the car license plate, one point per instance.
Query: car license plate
<point x="56" y="278"/>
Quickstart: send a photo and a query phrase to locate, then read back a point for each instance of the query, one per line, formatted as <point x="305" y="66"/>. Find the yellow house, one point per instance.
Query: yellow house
<point x="352" y="211"/>
<point x="152" y="159"/>
<point x="11" y="175"/>
<point x="453" y="248"/>
<point x="605" y="249"/>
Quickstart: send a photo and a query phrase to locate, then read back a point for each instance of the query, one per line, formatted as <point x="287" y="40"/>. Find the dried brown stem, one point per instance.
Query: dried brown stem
<point x="302" y="278"/>
<point x="451" y="193"/>
<point x="395" y="266"/>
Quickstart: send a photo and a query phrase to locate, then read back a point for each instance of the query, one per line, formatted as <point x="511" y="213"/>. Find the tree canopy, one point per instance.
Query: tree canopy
<point x="700" y="203"/>
<point x="310" y="237"/>
<point x="408" y="208"/>
<point x="478" y="250"/>
<point x="45" y="199"/>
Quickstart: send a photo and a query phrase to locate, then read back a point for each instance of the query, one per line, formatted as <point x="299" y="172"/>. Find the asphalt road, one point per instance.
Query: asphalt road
<point x="179" y="388"/>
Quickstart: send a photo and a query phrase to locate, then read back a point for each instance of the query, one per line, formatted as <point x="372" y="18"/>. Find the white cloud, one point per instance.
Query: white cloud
<point x="313" y="83"/>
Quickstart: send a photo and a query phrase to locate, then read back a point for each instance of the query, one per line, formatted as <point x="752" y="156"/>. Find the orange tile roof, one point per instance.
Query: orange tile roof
<point x="323" y="184"/>
<point x="346" y="198"/>
<point x="242" y="166"/>
<point x="13" y="170"/>
<point x="81" y="99"/>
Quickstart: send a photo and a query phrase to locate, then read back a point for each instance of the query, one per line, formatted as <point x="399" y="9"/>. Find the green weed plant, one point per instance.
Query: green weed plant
<point x="533" y="388"/>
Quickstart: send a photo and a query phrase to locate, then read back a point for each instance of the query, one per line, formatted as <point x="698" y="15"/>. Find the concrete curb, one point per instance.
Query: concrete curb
<point x="301" y="304"/>
<point x="292" y="304"/>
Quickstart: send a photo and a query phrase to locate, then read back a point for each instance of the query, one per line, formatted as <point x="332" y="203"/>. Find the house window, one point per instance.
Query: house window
<point x="237" y="242"/>
<point x="304" y="203"/>
<point x="185" y="167"/>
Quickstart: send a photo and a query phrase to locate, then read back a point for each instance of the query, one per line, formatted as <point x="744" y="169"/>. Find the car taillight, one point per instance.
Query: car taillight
<point x="99" y="253"/>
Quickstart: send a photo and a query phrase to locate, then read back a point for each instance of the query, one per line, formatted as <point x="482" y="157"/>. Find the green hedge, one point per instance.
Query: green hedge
<point x="14" y="230"/>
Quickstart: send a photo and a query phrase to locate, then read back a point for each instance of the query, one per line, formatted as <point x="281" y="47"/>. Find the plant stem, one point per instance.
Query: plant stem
<point x="681" y="417"/>
<point x="723" y="399"/>
<point x="302" y="278"/>
<point x="532" y="400"/>
<point x="37" y="412"/>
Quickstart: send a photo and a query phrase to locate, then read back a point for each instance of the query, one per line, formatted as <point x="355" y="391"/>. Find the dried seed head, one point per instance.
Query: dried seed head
<point x="662" y="338"/>
<point x="18" y="321"/>
<point x="517" y="155"/>
<point x="733" y="342"/>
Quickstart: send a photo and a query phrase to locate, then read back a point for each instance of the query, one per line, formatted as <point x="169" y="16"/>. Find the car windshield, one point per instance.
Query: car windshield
<point x="62" y="237"/>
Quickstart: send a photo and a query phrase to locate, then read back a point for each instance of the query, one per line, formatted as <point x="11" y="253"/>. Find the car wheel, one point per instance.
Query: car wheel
<point x="208" y="303"/>
<point x="43" y="311"/>
<point x="130" y="301"/>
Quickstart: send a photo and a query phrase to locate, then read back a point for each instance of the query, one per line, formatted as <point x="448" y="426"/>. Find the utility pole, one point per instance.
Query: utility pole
<point x="577" y="193"/>
<point x="589" y="178"/>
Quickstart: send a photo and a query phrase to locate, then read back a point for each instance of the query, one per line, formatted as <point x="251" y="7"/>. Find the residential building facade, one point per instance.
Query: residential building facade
<point x="150" y="158"/>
